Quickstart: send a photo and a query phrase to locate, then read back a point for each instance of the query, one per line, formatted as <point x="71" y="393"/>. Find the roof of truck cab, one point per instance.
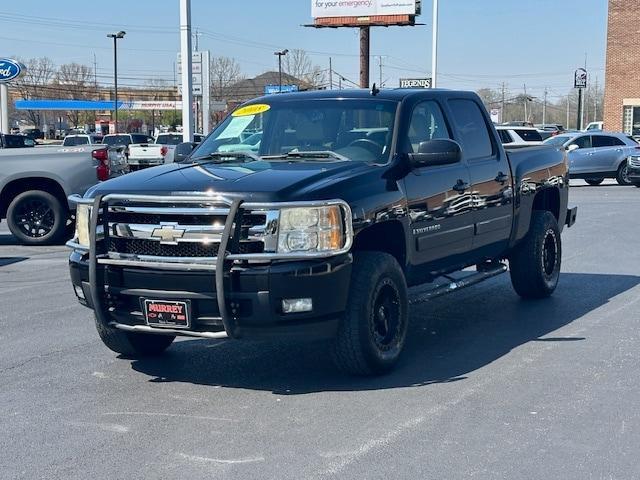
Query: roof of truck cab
<point x="394" y="94"/>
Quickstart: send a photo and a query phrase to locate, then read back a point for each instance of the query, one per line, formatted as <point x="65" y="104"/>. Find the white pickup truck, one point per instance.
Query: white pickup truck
<point x="143" y="155"/>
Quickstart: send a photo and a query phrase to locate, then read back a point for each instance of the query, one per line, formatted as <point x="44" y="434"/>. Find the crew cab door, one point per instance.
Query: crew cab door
<point x="440" y="204"/>
<point x="491" y="183"/>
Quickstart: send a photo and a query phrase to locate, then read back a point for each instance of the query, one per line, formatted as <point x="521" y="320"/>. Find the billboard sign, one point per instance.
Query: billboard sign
<point x="415" y="83"/>
<point x="580" y="78"/>
<point x="361" y="8"/>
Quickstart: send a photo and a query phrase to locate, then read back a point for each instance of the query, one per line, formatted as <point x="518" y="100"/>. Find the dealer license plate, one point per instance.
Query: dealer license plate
<point x="167" y="313"/>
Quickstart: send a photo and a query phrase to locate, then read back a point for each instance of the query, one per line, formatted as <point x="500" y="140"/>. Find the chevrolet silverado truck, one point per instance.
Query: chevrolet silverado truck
<point x="351" y="198"/>
<point x="36" y="182"/>
<point x="144" y="155"/>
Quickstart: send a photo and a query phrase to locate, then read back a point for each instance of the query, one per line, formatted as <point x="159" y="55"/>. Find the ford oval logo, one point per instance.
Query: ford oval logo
<point x="9" y="70"/>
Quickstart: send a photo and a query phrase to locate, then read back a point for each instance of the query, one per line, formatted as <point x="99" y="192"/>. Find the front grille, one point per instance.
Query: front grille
<point x="137" y="229"/>
<point x="634" y="162"/>
<point x="186" y="249"/>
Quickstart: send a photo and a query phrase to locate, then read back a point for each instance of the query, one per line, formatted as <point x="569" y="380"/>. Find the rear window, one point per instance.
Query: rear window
<point x="169" y="139"/>
<point x="504" y="136"/>
<point x="139" y="138"/>
<point x="529" y="135"/>
<point x="472" y="127"/>
<point x="112" y="140"/>
<point x="73" y="141"/>
<point x="14" y="141"/>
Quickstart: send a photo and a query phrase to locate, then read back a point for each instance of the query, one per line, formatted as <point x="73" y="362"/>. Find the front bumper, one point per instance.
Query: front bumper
<point x="253" y="296"/>
<point x="634" y="174"/>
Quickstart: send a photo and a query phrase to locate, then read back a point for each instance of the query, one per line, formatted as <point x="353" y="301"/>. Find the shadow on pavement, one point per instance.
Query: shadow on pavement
<point x="8" y="239"/>
<point x="4" y="261"/>
<point x="450" y="337"/>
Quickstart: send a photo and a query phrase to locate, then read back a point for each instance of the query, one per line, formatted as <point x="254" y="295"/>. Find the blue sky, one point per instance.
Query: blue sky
<point x="482" y="42"/>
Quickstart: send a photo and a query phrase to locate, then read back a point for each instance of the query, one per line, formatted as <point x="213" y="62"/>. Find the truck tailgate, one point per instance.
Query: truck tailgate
<point x="145" y="151"/>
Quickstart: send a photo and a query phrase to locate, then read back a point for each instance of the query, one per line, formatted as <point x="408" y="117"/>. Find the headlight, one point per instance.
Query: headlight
<point x="311" y="229"/>
<point x="83" y="214"/>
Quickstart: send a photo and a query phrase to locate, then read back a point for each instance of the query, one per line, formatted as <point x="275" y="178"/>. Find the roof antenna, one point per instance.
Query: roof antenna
<point x="375" y="90"/>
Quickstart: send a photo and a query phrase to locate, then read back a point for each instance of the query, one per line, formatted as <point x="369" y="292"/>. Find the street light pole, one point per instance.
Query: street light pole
<point x="280" y="55"/>
<point x="434" y="47"/>
<point x="115" y="37"/>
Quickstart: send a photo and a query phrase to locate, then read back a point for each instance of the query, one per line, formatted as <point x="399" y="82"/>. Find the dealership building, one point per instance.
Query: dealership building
<point x="622" y="90"/>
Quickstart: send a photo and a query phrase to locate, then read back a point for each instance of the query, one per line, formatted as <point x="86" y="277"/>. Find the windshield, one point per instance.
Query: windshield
<point x="358" y="130"/>
<point x="112" y="140"/>
<point x="558" y="140"/>
<point x="173" y="139"/>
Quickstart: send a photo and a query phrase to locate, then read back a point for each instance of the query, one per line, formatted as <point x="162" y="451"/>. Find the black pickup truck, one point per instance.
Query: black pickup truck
<point x="319" y="228"/>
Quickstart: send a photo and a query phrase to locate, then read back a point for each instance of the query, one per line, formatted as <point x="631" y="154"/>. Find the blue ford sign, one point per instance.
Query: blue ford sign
<point x="9" y="70"/>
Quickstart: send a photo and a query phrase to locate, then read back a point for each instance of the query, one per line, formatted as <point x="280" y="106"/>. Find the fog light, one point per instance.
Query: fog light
<point x="79" y="292"/>
<point x="297" y="305"/>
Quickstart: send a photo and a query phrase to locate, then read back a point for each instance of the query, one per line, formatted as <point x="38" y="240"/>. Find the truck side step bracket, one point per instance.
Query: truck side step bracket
<point x="486" y="272"/>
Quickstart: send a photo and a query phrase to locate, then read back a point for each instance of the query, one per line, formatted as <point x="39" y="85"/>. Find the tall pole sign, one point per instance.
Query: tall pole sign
<point x="580" y="82"/>
<point x="9" y="70"/>
<point x="187" y="71"/>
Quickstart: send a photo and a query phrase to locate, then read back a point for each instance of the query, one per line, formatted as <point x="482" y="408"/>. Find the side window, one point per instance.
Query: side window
<point x="616" y="142"/>
<point x="529" y="135"/>
<point x="582" y="142"/>
<point x="427" y="123"/>
<point x="474" y="134"/>
<point x="601" y="141"/>
<point x="504" y="136"/>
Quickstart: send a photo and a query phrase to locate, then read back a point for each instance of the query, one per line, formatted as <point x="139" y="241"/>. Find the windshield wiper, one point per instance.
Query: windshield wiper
<point x="219" y="157"/>
<point x="316" y="155"/>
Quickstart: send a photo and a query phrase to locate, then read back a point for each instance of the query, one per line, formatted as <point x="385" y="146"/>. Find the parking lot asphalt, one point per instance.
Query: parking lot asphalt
<point x="490" y="386"/>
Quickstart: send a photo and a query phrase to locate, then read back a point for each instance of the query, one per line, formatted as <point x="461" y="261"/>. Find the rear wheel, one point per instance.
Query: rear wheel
<point x="622" y="177"/>
<point x="37" y="218"/>
<point x="594" y="181"/>
<point x="373" y="330"/>
<point x="133" y="344"/>
<point x="535" y="263"/>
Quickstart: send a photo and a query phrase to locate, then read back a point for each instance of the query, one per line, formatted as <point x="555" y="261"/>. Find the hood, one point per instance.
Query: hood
<point x="257" y="181"/>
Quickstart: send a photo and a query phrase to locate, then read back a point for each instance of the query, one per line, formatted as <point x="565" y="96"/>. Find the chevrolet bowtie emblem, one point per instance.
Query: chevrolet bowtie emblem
<point x="167" y="234"/>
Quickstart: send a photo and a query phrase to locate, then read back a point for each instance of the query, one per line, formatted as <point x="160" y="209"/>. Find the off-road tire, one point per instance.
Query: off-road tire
<point x="622" y="176"/>
<point x="373" y="330"/>
<point x="133" y="344"/>
<point x="594" y="181"/>
<point x="49" y="208"/>
<point x="535" y="263"/>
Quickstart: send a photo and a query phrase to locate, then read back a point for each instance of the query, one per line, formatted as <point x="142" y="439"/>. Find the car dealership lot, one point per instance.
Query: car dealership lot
<point x="490" y="386"/>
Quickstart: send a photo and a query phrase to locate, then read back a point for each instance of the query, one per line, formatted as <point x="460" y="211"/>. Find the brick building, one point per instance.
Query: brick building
<point x="622" y="90"/>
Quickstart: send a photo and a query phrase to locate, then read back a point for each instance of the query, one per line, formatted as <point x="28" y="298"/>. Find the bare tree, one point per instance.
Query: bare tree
<point x="35" y="83"/>
<point x="74" y="81"/>
<point x="225" y="72"/>
<point x="298" y="64"/>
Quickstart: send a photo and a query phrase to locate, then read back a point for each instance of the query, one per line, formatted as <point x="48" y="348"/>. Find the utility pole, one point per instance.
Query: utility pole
<point x="525" y="103"/>
<point x="196" y="38"/>
<point x="380" y="84"/>
<point x="187" y="70"/>
<point x="544" y="107"/>
<point x="95" y="72"/>
<point x="330" y="75"/>
<point x="567" y="124"/>
<point x="364" y="56"/>
<point x="502" y="111"/>
<point x="340" y="82"/>
<point x="595" y="102"/>
<point x="434" y="47"/>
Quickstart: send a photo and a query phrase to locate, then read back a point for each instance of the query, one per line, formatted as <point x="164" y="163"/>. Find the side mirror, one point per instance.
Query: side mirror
<point x="182" y="151"/>
<point x="436" y="152"/>
<point x="572" y="147"/>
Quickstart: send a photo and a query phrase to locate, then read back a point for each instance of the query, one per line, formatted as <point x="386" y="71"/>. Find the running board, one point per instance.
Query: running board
<point x="486" y="273"/>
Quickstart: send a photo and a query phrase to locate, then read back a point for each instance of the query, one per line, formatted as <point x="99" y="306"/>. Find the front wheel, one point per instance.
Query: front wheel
<point x="594" y="181"/>
<point x="133" y="344"/>
<point x="37" y="218"/>
<point x="535" y="263"/>
<point x="373" y="330"/>
<point x="622" y="177"/>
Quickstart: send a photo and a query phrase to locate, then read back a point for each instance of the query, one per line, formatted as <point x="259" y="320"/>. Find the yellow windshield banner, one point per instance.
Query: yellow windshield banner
<point x="251" y="110"/>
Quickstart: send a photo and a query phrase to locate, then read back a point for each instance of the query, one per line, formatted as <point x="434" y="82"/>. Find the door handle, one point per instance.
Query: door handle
<point x="460" y="186"/>
<point x="502" y="177"/>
